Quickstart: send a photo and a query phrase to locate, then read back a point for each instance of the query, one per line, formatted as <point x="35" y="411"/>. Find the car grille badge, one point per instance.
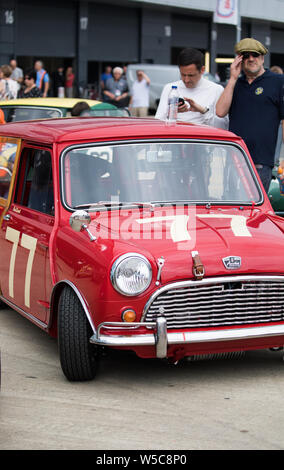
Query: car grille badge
<point x="232" y="262"/>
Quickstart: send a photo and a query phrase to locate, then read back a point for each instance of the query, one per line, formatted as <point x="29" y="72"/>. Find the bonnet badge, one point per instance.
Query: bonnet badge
<point x="232" y="262"/>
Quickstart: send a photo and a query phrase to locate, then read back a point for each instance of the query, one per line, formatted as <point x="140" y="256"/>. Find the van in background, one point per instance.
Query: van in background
<point x="159" y="76"/>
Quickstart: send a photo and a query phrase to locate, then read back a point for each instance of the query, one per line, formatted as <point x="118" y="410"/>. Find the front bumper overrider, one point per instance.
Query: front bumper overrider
<point x="161" y="338"/>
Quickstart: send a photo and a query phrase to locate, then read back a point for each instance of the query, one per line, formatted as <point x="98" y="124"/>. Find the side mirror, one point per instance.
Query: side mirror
<point x="80" y="220"/>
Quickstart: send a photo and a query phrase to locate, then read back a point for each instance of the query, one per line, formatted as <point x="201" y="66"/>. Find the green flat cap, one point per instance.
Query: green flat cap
<point x="250" y="45"/>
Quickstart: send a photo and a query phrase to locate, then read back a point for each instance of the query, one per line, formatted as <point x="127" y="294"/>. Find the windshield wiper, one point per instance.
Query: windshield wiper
<point x="99" y="203"/>
<point x="174" y="201"/>
<point x="116" y="203"/>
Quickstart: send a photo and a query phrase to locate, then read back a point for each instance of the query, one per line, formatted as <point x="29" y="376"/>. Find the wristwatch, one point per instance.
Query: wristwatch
<point x="206" y="110"/>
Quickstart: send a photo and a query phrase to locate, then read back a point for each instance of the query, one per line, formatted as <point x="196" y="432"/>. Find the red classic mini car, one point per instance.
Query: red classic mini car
<point x="133" y="234"/>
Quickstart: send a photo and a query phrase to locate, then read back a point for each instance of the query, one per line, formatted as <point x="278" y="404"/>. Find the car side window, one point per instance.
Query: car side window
<point x="22" y="113"/>
<point x="36" y="190"/>
<point x="7" y="158"/>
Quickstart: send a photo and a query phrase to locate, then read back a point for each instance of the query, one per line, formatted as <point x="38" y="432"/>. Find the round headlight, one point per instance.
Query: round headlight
<point x="131" y="274"/>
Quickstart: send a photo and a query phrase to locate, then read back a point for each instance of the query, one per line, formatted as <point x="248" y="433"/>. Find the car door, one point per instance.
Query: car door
<point x="25" y="232"/>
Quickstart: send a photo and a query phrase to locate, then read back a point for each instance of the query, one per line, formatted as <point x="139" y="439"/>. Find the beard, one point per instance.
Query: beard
<point x="254" y="70"/>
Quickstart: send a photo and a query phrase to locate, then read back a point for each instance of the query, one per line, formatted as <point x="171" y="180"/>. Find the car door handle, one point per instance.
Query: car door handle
<point x="7" y="217"/>
<point x="43" y="246"/>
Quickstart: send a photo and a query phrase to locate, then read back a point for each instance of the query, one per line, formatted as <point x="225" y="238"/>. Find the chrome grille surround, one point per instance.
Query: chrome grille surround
<point x="218" y="302"/>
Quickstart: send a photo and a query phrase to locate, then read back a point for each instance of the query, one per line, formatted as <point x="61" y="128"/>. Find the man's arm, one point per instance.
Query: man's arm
<point x="20" y="77"/>
<point x="121" y="97"/>
<point x="14" y="89"/>
<point x="224" y="103"/>
<point x="193" y="106"/>
<point x="46" y="86"/>
<point x="282" y="106"/>
<point x="148" y="81"/>
<point x="124" y="93"/>
<point x="208" y="111"/>
<point x="109" y="94"/>
<point x="281" y="163"/>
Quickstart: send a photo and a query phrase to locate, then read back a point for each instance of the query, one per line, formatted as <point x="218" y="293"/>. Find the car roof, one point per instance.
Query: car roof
<point x="84" y="129"/>
<point x="53" y="102"/>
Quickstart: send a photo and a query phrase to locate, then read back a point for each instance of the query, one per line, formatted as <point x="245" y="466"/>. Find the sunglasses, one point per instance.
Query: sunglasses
<point x="246" y="55"/>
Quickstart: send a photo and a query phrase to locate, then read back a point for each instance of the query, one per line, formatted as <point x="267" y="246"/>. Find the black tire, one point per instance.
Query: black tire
<point x="78" y="358"/>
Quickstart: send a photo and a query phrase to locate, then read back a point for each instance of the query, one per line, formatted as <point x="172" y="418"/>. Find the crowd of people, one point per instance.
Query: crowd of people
<point x="251" y="105"/>
<point x="115" y="90"/>
<point x="35" y="82"/>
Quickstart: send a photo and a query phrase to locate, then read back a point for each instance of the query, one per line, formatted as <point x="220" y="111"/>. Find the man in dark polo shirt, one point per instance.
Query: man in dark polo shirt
<point x="255" y="103"/>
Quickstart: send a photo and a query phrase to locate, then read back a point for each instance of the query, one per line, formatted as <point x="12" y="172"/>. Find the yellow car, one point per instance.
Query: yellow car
<point x="26" y="109"/>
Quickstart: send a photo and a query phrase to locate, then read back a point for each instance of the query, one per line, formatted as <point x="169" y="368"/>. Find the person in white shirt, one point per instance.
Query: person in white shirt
<point x="17" y="73"/>
<point x="10" y="87"/>
<point x="199" y="94"/>
<point x="139" y="101"/>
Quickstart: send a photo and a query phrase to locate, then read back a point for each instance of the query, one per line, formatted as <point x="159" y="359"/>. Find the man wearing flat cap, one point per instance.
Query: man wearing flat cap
<point x="255" y="103"/>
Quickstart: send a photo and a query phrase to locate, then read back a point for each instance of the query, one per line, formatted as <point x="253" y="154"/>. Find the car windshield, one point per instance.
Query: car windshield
<point x="158" y="172"/>
<point x="110" y="112"/>
<point x="22" y="113"/>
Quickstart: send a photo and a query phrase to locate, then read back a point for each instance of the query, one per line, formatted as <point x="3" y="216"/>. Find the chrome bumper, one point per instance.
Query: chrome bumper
<point x="161" y="339"/>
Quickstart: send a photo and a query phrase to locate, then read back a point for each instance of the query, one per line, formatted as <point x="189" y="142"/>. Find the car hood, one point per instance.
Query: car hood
<point x="228" y="240"/>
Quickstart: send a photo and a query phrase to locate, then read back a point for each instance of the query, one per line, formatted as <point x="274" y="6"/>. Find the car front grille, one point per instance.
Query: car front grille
<point x="217" y="303"/>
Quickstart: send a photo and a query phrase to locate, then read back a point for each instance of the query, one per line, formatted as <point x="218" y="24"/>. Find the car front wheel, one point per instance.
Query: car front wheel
<point x="79" y="359"/>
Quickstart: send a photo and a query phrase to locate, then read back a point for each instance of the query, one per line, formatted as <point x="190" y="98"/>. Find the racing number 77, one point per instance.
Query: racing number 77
<point x="29" y="243"/>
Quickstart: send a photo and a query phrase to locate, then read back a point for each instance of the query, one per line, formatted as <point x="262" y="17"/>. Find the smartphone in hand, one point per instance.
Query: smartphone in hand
<point x="181" y="102"/>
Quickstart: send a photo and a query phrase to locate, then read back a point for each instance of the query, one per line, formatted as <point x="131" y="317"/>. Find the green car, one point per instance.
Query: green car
<point x="275" y="195"/>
